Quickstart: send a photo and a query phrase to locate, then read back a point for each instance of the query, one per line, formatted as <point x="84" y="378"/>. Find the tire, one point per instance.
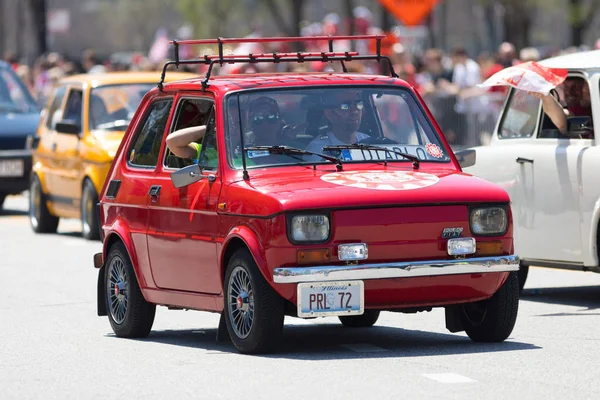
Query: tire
<point x="2" y="198"/>
<point x="40" y="219"/>
<point x="493" y="320"/>
<point x="360" y="321"/>
<point x="254" y="312"/>
<point x="523" y="272"/>
<point x="90" y="224"/>
<point x="130" y="315"/>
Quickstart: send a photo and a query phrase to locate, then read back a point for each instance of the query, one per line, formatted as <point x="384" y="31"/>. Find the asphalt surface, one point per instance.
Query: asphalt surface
<point x="53" y="346"/>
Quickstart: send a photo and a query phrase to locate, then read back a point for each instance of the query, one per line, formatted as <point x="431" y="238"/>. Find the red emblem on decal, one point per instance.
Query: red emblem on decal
<point x="434" y="150"/>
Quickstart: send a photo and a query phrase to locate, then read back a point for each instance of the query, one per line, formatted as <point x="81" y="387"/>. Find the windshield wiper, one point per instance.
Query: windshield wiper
<point x="362" y="146"/>
<point x="293" y="150"/>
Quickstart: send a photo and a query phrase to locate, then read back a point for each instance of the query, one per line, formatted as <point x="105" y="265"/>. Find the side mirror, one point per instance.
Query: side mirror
<point x="188" y="175"/>
<point x="577" y="126"/>
<point x="68" y="126"/>
<point x="466" y="157"/>
<point x="32" y="142"/>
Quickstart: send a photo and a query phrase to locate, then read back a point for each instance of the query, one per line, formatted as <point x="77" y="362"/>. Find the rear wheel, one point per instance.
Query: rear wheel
<point x="368" y="318"/>
<point x="254" y="312"/>
<point x="493" y="320"/>
<point x="130" y="315"/>
<point x="39" y="217"/>
<point x="89" y="212"/>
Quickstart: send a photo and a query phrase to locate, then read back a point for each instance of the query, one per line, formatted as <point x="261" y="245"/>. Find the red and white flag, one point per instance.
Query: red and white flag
<point x="529" y="76"/>
<point x="160" y="47"/>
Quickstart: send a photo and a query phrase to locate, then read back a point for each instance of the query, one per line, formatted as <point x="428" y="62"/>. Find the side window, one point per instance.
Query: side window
<point x="146" y="144"/>
<point x="396" y="119"/>
<point x="74" y="106"/>
<point x="574" y="96"/>
<point x="190" y="113"/>
<point x="53" y="109"/>
<point x="520" y="116"/>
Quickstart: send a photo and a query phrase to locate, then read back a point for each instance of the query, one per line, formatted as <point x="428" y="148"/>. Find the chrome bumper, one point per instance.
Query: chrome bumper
<point x="396" y="270"/>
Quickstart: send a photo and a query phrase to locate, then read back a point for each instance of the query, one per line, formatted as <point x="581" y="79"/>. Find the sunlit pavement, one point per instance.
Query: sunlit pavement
<point x="53" y="346"/>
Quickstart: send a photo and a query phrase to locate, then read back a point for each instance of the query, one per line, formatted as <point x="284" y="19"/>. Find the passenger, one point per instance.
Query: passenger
<point x="265" y="121"/>
<point x="185" y="143"/>
<point x="577" y="98"/>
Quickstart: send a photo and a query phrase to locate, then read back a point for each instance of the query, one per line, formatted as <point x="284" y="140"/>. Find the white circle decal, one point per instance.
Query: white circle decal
<point x="382" y="180"/>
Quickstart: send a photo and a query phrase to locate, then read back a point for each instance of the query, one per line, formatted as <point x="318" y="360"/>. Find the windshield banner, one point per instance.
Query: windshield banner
<point x="428" y="152"/>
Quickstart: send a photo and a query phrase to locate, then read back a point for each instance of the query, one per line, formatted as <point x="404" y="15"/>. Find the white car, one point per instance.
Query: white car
<point x="553" y="179"/>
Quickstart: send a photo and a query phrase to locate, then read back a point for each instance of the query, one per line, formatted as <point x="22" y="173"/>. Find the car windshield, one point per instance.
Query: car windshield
<point x="112" y="107"/>
<point x="14" y="96"/>
<point x="329" y="121"/>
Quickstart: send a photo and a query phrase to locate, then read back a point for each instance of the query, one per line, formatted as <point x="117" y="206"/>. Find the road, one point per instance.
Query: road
<point x="53" y="346"/>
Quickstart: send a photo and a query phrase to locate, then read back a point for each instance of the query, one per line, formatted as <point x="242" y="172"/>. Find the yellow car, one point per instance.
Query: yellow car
<point x="79" y="133"/>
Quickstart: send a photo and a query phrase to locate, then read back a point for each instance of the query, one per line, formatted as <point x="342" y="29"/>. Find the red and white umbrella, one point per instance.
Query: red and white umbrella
<point x="529" y="76"/>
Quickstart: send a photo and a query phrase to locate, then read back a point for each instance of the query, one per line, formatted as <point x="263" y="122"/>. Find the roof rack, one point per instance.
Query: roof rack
<point x="276" y="57"/>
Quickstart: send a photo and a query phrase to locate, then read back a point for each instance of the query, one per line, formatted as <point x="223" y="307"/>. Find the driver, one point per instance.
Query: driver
<point x="577" y="98"/>
<point x="343" y="112"/>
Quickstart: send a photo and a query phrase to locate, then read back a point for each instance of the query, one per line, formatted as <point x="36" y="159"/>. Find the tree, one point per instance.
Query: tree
<point x="297" y="10"/>
<point x="38" y="11"/>
<point x="580" y="18"/>
<point x="132" y="24"/>
<point x="518" y="16"/>
<point x="225" y="18"/>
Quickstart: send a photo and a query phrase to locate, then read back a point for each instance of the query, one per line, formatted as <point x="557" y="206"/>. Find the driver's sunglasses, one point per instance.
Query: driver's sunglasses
<point x="346" y="106"/>
<point x="260" y="119"/>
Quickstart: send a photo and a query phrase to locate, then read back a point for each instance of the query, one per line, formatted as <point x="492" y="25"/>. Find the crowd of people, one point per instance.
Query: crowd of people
<point x="446" y="79"/>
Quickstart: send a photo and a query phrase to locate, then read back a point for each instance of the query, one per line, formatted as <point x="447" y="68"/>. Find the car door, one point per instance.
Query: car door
<point x="45" y="156"/>
<point x="183" y="222"/>
<point x="137" y="175"/>
<point x="505" y="161"/>
<point x="555" y="208"/>
<point x="67" y="193"/>
<point x="552" y="213"/>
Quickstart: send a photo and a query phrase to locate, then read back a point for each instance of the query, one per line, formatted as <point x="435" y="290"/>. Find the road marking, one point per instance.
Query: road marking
<point x="363" y="348"/>
<point x="449" y="378"/>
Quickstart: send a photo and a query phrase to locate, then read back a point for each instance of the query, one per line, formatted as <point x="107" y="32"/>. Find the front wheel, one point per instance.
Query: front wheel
<point x="493" y="320"/>
<point x="130" y="315"/>
<point x="523" y="272"/>
<point x="368" y="318"/>
<point x="89" y="212"/>
<point x="254" y="312"/>
<point x="39" y="216"/>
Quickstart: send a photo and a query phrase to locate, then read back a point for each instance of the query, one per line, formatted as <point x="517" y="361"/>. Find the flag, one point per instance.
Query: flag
<point x="529" y="76"/>
<point x="160" y="47"/>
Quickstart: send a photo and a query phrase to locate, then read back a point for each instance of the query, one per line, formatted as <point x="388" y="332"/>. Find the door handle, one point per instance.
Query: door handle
<point x="54" y="146"/>
<point x="154" y="192"/>
<point x="522" y="160"/>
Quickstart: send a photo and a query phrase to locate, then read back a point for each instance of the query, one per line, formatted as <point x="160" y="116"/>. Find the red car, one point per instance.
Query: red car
<point x="310" y="195"/>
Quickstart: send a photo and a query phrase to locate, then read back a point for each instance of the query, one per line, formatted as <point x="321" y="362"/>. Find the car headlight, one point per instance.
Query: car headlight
<point x="489" y="221"/>
<point x="309" y="228"/>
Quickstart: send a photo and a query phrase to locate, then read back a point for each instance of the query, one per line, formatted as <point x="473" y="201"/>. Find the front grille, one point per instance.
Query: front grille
<point x="12" y="142"/>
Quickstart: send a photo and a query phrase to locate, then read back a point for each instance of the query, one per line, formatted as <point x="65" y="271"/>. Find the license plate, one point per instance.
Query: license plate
<point x="12" y="168"/>
<point x="330" y="298"/>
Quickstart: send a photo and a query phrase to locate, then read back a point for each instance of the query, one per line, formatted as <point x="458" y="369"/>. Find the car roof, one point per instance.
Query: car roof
<point x="584" y="60"/>
<point x="121" y="77"/>
<point x="225" y="83"/>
